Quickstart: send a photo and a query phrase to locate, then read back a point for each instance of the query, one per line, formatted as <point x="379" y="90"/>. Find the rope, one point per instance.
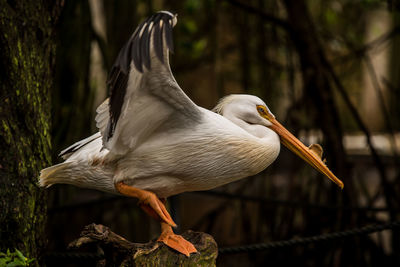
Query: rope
<point x="79" y="256"/>
<point x="313" y="239"/>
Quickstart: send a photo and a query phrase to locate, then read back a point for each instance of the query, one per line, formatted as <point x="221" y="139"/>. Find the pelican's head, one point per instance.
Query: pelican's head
<point x="246" y="108"/>
<point x="253" y="110"/>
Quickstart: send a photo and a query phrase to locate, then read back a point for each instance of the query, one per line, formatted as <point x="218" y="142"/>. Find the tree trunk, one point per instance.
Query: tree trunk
<point x="26" y="59"/>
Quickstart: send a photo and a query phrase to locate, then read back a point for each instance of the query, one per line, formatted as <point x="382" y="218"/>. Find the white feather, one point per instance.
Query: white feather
<point x="211" y="153"/>
<point x="151" y="98"/>
<point x="103" y="115"/>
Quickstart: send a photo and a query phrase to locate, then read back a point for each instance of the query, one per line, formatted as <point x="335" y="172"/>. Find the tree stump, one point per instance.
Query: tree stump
<point x="118" y="251"/>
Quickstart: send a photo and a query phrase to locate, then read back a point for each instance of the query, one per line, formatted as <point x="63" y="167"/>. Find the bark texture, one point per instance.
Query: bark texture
<point x="118" y="251"/>
<point x="26" y="60"/>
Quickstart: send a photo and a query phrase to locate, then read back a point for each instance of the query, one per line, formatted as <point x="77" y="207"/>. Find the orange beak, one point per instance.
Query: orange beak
<point x="297" y="147"/>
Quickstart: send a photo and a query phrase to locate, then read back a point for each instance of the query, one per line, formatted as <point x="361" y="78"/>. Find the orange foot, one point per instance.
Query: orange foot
<point x="174" y="241"/>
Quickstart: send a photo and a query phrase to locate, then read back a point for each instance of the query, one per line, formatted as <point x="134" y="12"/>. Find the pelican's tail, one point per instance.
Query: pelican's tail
<point x="57" y="174"/>
<point x="78" y="174"/>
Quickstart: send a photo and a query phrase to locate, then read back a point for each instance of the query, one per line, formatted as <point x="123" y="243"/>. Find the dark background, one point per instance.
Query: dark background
<point x="328" y="70"/>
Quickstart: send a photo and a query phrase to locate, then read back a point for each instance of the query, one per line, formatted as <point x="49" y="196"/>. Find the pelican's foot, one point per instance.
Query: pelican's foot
<point x="177" y="242"/>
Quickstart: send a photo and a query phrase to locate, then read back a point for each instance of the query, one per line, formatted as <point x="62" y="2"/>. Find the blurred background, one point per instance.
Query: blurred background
<point x="329" y="71"/>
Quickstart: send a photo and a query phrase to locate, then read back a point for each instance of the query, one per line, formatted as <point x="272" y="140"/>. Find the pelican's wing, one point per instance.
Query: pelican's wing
<point x="66" y="153"/>
<point x="144" y="93"/>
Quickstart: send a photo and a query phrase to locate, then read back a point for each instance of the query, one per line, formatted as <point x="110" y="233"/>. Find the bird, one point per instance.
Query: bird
<point x="154" y="142"/>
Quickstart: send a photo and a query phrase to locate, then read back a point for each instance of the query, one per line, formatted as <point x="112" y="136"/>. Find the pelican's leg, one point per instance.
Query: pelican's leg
<point x="174" y="241"/>
<point x="148" y="201"/>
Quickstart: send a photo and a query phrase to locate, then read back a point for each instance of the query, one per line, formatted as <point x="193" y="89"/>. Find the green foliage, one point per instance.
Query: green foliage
<point x="189" y="26"/>
<point x="14" y="259"/>
<point x="192" y="5"/>
<point x="331" y="17"/>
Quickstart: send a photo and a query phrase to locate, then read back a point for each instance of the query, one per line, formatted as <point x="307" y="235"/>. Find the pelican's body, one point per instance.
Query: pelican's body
<point x="154" y="142"/>
<point x="215" y="152"/>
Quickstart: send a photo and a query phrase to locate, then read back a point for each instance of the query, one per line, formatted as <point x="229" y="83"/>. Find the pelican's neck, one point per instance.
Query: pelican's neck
<point x="257" y="130"/>
<point x="268" y="143"/>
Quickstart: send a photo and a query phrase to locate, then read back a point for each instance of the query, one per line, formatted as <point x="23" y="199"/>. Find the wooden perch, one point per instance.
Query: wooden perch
<point x="118" y="251"/>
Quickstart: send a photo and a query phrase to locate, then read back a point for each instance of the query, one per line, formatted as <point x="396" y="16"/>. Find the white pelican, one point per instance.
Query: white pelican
<point x="154" y="142"/>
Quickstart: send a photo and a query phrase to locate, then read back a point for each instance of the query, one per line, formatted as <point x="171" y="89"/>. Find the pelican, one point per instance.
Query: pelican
<point x="154" y="141"/>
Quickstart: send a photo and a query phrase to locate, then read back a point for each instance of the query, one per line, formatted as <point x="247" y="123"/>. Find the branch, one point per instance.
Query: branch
<point x="118" y="251"/>
<point x="389" y="193"/>
<point x="374" y="80"/>
<point x="374" y="44"/>
<point x="265" y="16"/>
<point x="103" y="48"/>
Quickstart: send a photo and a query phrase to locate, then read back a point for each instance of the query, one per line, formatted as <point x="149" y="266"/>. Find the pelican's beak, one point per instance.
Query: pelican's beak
<point x="308" y="155"/>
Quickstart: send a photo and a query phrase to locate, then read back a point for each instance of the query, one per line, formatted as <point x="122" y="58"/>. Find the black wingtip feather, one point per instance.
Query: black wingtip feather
<point x="137" y="49"/>
<point x="137" y="57"/>
<point x="116" y="99"/>
<point x="144" y="46"/>
<point x="138" y="46"/>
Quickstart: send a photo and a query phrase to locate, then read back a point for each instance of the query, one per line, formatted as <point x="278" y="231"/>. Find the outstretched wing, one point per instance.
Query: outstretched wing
<point x="144" y="93"/>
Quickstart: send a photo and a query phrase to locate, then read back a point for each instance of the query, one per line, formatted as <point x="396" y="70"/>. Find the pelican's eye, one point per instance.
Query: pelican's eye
<point x="265" y="112"/>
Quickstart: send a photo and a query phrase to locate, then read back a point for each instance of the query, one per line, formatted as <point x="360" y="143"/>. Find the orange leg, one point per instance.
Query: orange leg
<point x="148" y="201"/>
<point x="155" y="207"/>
